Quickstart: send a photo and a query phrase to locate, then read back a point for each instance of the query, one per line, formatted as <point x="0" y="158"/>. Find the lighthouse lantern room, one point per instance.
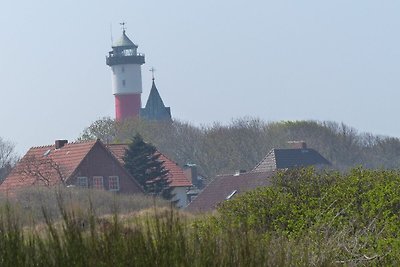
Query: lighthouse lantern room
<point x="125" y="63"/>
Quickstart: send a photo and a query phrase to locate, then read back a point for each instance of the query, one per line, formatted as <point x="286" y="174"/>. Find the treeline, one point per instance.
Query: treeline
<point x="242" y="143"/>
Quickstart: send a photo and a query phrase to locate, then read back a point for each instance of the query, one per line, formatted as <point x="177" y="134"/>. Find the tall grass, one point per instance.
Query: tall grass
<point x="159" y="237"/>
<point x="29" y="203"/>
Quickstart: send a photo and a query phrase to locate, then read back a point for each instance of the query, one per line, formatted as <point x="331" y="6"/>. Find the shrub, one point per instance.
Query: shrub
<point x="360" y="209"/>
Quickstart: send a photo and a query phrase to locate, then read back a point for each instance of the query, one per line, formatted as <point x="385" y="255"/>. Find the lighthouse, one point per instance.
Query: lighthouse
<point x="125" y="63"/>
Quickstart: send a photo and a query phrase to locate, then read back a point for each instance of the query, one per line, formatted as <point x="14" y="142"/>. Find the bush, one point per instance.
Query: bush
<point x="359" y="209"/>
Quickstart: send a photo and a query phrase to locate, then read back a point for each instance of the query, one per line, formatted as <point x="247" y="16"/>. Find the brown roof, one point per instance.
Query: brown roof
<point x="48" y="160"/>
<point x="176" y="174"/>
<point x="225" y="185"/>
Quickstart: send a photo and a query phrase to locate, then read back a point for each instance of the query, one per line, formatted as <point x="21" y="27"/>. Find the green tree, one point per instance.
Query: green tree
<point x="142" y="160"/>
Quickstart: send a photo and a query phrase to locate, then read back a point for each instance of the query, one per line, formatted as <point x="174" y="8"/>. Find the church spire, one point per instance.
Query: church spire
<point x="155" y="109"/>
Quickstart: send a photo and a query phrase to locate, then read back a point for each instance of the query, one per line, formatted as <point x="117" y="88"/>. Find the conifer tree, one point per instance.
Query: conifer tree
<point x="142" y="161"/>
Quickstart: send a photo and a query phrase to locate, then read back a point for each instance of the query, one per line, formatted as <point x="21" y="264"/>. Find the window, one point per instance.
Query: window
<point x="113" y="183"/>
<point x="98" y="182"/>
<point x="123" y="83"/>
<point x="82" y="182"/>
<point x="123" y="69"/>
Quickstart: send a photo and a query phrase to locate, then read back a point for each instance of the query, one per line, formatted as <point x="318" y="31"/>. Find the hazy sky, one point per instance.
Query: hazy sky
<point x="215" y="60"/>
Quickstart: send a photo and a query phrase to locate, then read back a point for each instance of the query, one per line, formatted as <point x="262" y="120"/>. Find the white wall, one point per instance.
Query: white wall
<point x="180" y="195"/>
<point x="131" y="74"/>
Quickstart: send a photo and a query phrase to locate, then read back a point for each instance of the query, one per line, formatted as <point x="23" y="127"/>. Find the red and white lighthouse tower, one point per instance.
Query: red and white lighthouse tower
<point x="125" y="63"/>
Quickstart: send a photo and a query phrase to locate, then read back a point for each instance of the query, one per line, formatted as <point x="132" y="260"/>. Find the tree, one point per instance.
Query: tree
<point x="8" y="158"/>
<point x="143" y="163"/>
<point x="105" y="129"/>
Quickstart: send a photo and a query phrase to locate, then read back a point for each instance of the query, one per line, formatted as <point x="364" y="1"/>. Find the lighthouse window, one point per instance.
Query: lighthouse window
<point x="123" y="82"/>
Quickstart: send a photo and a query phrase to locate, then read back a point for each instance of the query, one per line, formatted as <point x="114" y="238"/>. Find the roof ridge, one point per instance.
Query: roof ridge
<point x="69" y="143"/>
<point x="81" y="141"/>
<point x="44" y="146"/>
<point x="120" y="144"/>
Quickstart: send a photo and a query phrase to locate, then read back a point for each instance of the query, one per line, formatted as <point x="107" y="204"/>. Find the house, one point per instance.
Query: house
<point x="176" y="175"/>
<point x="225" y="187"/>
<point x="84" y="164"/>
<point x="89" y="164"/>
<point x="288" y="158"/>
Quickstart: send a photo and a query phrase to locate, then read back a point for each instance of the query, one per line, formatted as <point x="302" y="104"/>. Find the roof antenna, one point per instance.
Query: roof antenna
<point x="152" y="72"/>
<point x="112" y="41"/>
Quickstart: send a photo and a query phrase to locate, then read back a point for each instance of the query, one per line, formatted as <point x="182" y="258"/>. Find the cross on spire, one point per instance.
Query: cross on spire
<point x="152" y="72"/>
<point x="123" y="25"/>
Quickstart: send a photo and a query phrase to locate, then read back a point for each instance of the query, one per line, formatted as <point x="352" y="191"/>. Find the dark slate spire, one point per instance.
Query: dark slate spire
<point x="155" y="109"/>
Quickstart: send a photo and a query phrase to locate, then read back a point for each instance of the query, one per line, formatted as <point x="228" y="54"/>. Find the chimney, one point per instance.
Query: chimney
<point x="190" y="171"/>
<point x="60" y="143"/>
<point x="298" y="144"/>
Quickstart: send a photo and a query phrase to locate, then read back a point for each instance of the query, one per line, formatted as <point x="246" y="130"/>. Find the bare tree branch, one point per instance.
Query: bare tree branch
<point x="8" y="158"/>
<point x="44" y="170"/>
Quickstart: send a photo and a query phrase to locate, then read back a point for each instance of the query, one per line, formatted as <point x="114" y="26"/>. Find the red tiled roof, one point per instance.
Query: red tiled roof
<point x="224" y="185"/>
<point x="176" y="174"/>
<point x="67" y="159"/>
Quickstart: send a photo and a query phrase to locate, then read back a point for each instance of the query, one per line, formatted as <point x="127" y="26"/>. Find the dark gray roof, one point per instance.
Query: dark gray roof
<point x="124" y="41"/>
<point x="290" y="158"/>
<point x="224" y="185"/>
<point x="155" y="108"/>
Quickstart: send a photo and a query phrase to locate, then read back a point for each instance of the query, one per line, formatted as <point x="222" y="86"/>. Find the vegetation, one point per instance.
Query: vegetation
<point x="242" y="143"/>
<point x="29" y="203"/>
<point x="8" y="158"/>
<point x="306" y="218"/>
<point x="158" y="237"/>
<point x="143" y="162"/>
<point x="355" y="214"/>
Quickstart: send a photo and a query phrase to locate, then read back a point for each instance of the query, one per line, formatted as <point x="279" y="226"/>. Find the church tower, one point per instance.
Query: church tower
<point x="155" y="110"/>
<point x="125" y="63"/>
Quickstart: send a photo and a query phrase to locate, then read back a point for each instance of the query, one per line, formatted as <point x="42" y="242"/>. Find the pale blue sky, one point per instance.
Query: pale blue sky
<point x="216" y="60"/>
